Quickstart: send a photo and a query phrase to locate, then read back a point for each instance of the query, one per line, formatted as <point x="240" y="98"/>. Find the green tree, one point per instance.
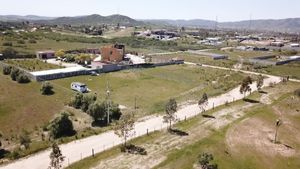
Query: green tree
<point x="6" y="70"/>
<point x="61" y="126"/>
<point x="97" y="111"/>
<point x="56" y="157"/>
<point x="205" y="160"/>
<point x="203" y="101"/>
<point x="245" y="86"/>
<point x="22" y="78"/>
<point x="125" y="126"/>
<point x="14" y="73"/>
<point x="87" y="100"/>
<point x="60" y="53"/>
<point x="76" y="101"/>
<point x="260" y="82"/>
<point x="25" y="139"/>
<point x="46" y="88"/>
<point x="170" y="109"/>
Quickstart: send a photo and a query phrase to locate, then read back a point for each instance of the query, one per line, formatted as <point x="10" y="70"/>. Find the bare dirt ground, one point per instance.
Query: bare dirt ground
<point x="158" y="150"/>
<point x="261" y="131"/>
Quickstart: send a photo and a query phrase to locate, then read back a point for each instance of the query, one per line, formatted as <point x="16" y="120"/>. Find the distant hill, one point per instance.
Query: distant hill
<point x="280" y="25"/>
<point x="23" y="18"/>
<point x="94" y="20"/>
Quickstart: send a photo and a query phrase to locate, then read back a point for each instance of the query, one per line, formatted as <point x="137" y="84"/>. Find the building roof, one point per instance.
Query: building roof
<point x="57" y="71"/>
<point x="46" y="51"/>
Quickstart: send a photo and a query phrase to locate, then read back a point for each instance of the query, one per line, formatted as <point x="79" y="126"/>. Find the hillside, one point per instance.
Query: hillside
<point x="94" y="20"/>
<point x="280" y="25"/>
<point x="23" y="18"/>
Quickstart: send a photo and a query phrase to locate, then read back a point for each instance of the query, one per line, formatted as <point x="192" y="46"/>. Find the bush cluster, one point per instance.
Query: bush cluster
<point x="15" y="74"/>
<point x="98" y="110"/>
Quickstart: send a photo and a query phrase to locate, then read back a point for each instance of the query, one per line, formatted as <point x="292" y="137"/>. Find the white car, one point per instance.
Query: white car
<point x="80" y="87"/>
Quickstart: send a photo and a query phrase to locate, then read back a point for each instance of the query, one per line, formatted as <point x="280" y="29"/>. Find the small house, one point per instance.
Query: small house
<point x="48" y="54"/>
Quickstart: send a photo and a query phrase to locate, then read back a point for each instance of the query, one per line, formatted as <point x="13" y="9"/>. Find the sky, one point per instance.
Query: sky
<point x="220" y="10"/>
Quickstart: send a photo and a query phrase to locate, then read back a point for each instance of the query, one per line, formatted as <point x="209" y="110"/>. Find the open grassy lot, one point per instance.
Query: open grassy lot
<point x="47" y="44"/>
<point x="153" y="87"/>
<point x="31" y="64"/>
<point x="23" y="107"/>
<point x="291" y="69"/>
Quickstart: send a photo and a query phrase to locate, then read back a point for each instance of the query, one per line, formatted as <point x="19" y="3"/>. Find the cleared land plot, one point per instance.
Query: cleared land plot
<point x="31" y="64"/>
<point x="153" y="87"/>
<point x="248" y="142"/>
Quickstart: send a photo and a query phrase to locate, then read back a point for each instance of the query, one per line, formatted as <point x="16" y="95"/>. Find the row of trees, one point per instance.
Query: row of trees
<point x="15" y="74"/>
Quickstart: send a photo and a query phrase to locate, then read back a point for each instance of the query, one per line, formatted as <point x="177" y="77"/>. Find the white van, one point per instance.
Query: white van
<point x="80" y="87"/>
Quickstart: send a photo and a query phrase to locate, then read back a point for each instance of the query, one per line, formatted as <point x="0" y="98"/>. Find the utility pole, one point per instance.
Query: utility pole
<point x="108" y="101"/>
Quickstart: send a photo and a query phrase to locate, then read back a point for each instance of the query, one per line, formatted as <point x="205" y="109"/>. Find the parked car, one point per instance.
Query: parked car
<point x="80" y="87"/>
<point x="93" y="73"/>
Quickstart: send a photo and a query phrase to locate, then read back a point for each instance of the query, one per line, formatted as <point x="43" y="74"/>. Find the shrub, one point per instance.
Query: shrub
<point x="22" y="78"/>
<point x="7" y="44"/>
<point x="76" y="101"/>
<point x="87" y="100"/>
<point x="46" y="88"/>
<point x="32" y="41"/>
<point x="21" y="42"/>
<point x="297" y="92"/>
<point x="6" y="70"/>
<point x="61" y="126"/>
<point x="9" y="52"/>
<point x="14" y="73"/>
<point x="25" y="139"/>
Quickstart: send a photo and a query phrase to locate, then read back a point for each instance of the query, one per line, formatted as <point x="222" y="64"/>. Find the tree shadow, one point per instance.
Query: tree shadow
<point x="3" y="153"/>
<point x="250" y="100"/>
<point x="178" y="132"/>
<point x="133" y="149"/>
<point x="263" y="92"/>
<point x="50" y="93"/>
<point x="208" y="116"/>
<point x="99" y="123"/>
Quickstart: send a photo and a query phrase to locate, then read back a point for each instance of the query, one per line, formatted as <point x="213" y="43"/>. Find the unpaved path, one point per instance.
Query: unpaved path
<point x="158" y="150"/>
<point x="77" y="150"/>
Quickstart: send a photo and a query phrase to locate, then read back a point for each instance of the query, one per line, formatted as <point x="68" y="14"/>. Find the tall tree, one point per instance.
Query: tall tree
<point x="61" y="126"/>
<point x="125" y="126"/>
<point x="203" y="102"/>
<point x="171" y="108"/>
<point x="56" y="157"/>
<point x="245" y="86"/>
<point x="260" y="82"/>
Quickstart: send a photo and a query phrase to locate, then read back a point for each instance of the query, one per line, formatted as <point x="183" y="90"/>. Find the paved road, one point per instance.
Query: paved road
<point x="76" y="150"/>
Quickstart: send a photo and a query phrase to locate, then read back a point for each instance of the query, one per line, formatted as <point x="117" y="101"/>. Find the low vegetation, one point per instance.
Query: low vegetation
<point x="31" y="64"/>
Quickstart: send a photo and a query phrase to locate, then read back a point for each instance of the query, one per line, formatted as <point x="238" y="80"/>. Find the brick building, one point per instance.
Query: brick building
<point x="113" y="53"/>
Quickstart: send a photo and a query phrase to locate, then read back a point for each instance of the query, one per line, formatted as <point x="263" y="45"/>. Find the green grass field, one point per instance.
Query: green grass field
<point x="153" y="87"/>
<point x="23" y="107"/>
<point x="31" y="64"/>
